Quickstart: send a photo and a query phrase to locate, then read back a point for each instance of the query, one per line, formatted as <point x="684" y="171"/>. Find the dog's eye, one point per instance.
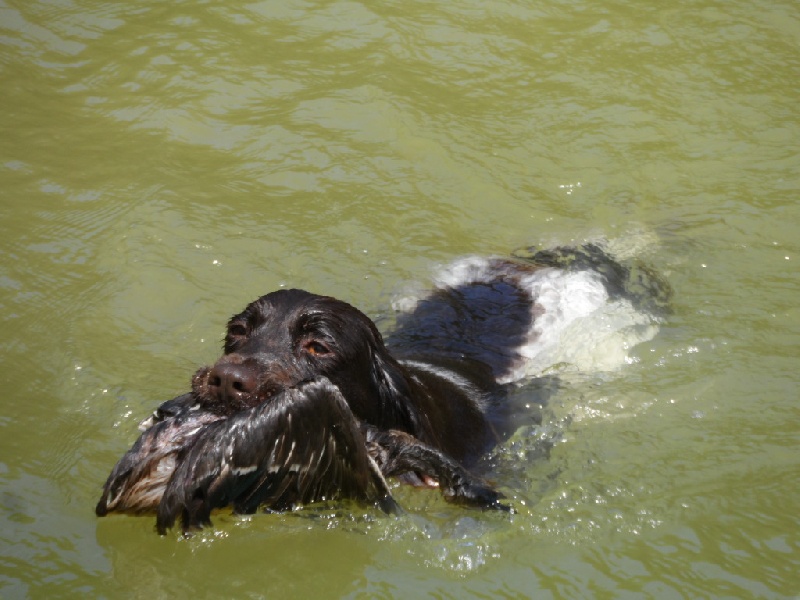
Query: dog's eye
<point x="237" y="330"/>
<point x="316" y="348"/>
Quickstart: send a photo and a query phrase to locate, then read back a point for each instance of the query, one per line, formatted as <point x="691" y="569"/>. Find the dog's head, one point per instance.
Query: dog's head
<point x="291" y="336"/>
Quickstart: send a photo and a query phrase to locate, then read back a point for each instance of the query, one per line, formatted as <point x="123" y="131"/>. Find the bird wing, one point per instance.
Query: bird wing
<point x="300" y="446"/>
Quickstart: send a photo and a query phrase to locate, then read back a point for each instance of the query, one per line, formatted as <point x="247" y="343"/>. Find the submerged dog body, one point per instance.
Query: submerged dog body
<point x="308" y="403"/>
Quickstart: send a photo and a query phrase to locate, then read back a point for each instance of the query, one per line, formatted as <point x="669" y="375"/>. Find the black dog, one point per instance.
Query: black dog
<point x="307" y="402"/>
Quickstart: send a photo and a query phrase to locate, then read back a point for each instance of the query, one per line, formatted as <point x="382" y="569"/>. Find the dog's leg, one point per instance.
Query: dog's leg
<point x="397" y="452"/>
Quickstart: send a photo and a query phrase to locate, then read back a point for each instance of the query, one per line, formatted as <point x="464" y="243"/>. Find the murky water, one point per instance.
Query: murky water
<point x="161" y="164"/>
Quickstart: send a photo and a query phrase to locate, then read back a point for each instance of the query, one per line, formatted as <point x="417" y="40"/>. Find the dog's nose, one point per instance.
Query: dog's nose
<point x="231" y="381"/>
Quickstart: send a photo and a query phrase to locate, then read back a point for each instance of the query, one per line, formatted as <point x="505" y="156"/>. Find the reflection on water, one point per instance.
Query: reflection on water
<point x="161" y="165"/>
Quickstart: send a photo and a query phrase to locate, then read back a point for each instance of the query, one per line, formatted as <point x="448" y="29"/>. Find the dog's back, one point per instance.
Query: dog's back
<point x="522" y="316"/>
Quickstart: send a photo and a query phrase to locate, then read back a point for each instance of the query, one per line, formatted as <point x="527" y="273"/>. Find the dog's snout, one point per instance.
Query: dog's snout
<point x="232" y="381"/>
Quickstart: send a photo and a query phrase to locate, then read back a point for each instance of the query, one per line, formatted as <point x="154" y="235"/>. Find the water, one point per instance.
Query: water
<point x="161" y="165"/>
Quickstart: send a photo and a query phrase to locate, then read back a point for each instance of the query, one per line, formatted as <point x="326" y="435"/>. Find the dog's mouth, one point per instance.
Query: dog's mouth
<point x="235" y="384"/>
<point x="418" y="479"/>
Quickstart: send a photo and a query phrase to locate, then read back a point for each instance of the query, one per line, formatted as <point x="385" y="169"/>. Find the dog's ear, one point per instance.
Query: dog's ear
<point x="389" y="379"/>
<point x="393" y="385"/>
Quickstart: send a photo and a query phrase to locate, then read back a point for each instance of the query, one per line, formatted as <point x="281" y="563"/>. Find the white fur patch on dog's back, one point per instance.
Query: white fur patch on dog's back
<point x="575" y="325"/>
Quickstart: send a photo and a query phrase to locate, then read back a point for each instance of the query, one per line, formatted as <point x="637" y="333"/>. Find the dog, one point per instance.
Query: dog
<point x="310" y="403"/>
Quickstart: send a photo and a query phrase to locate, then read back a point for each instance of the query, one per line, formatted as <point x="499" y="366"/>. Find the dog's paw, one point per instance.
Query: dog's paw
<point x="476" y="493"/>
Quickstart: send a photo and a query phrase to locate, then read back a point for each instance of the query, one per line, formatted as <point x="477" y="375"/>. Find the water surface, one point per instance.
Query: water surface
<point x="162" y="164"/>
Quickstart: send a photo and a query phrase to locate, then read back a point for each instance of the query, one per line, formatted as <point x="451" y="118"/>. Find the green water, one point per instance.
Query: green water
<point x="162" y="164"/>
